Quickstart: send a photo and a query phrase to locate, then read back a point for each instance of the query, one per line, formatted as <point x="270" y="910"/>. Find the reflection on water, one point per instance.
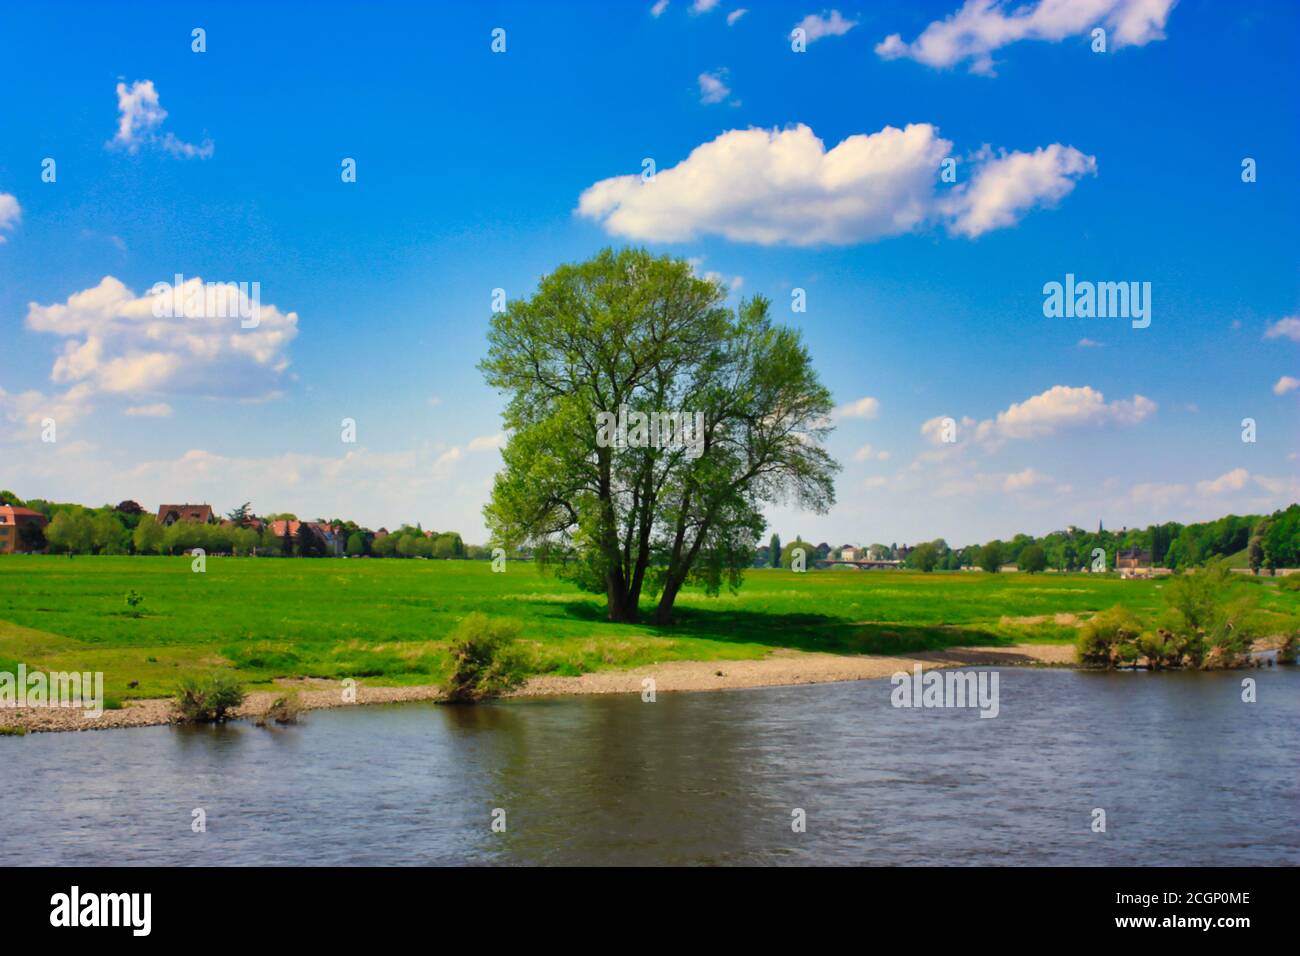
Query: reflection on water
<point x="1187" y="774"/>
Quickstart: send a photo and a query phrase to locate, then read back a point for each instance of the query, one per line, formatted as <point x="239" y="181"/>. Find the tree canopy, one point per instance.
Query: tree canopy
<point x="628" y="332"/>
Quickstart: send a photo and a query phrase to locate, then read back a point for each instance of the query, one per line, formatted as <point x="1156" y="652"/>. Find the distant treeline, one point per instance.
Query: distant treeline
<point x="1261" y="542"/>
<point x="127" y="528"/>
<point x="1269" y="541"/>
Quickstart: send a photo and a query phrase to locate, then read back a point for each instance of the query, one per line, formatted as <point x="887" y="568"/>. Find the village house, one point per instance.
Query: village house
<point x="13" y="521"/>
<point x="1132" y="559"/>
<point x="334" y="541"/>
<point x="168" y="515"/>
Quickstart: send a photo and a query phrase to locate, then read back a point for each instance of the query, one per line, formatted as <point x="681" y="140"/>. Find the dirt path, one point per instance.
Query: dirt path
<point x="781" y="667"/>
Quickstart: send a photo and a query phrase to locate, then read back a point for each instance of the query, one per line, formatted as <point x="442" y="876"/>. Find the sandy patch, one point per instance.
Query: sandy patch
<point x="780" y="668"/>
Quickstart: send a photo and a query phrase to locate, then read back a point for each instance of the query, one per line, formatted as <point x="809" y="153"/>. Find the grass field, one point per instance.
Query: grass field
<point x="386" y="621"/>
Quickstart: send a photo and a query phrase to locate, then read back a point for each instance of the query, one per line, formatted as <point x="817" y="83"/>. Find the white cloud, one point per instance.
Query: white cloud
<point x="815" y="26"/>
<point x="784" y="187"/>
<point x="31" y="408"/>
<point x="932" y="429"/>
<point x="1060" y="407"/>
<point x="1023" y="480"/>
<point x="10" y="213"/>
<point x="713" y="86"/>
<point x="1005" y="188"/>
<point x="735" y="15"/>
<point x="867" y="453"/>
<point x="1090" y="344"/>
<point x="140" y="115"/>
<point x="156" y="410"/>
<point x="1287" y="383"/>
<point x="1288" y="328"/>
<point x="703" y="6"/>
<point x="113" y="343"/>
<point x="1233" y="480"/>
<point x="865" y="407"/>
<point x="1159" y="495"/>
<point x="659" y="8"/>
<point x="1286" y="489"/>
<point x="981" y="27"/>
<point x="488" y="442"/>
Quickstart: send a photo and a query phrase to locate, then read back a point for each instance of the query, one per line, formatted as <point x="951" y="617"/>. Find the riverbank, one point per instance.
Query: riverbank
<point x="780" y="668"/>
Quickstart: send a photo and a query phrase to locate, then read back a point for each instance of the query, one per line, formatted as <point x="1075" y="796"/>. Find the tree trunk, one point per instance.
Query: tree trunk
<point x="664" y="612"/>
<point x="622" y="609"/>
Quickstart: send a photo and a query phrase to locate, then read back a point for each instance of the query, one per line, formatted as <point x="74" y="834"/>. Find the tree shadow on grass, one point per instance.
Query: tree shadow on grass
<point x="827" y="633"/>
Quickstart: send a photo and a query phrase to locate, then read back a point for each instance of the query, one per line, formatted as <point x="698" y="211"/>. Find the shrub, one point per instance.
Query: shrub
<point x="485" y="660"/>
<point x="1109" y="638"/>
<point x="13" y="731"/>
<point x="1213" y="615"/>
<point x="210" y="698"/>
<point x="133" y="601"/>
<point x="1290" y="649"/>
<point x="283" y="710"/>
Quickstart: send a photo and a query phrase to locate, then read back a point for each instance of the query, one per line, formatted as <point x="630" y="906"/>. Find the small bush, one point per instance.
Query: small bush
<point x="133" y="601"/>
<point x="1290" y="649"/>
<point x="283" y="710"/>
<point x="13" y="731"/>
<point x="208" y="699"/>
<point x="1109" y="638"/>
<point x="485" y="660"/>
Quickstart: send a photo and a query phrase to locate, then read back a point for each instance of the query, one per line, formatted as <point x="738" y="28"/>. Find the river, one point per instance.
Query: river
<point x="1186" y="773"/>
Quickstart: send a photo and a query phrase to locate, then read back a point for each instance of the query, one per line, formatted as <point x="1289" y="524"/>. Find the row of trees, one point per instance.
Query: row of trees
<point x="1270" y="542"/>
<point x="127" y="529"/>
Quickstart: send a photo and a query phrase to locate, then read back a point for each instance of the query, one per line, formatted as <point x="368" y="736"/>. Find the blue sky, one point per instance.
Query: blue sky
<point x="924" y="298"/>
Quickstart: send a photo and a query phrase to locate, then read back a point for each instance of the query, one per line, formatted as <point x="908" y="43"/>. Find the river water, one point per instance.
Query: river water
<point x="1186" y="773"/>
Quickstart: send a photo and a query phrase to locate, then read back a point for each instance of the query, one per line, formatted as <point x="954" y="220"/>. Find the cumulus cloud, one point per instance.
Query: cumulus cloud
<point x="1090" y="344"/>
<point x="703" y="6"/>
<point x="659" y="8"/>
<point x="140" y="116"/>
<point x="981" y="27"/>
<point x="30" y="409"/>
<point x="1061" y="407"/>
<point x="815" y="26"/>
<point x="1288" y="328"/>
<point x="775" y="187"/>
<point x="1233" y="480"/>
<point x="867" y="453"/>
<point x="713" y="86"/>
<point x="10" y="213"/>
<point x="487" y="442"/>
<point x="1023" y="480"/>
<point x="865" y="407"/>
<point x="1287" y="383"/>
<point x="735" y="15"/>
<point x="115" y="344"/>
<point x="1003" y="189"/>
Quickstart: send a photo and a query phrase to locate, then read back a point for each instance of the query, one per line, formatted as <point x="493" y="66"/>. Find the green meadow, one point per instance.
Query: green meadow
<point x="386" y="621"/>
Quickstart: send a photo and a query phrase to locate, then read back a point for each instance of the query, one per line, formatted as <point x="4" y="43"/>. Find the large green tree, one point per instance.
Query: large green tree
<point x="626" y="333"/>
